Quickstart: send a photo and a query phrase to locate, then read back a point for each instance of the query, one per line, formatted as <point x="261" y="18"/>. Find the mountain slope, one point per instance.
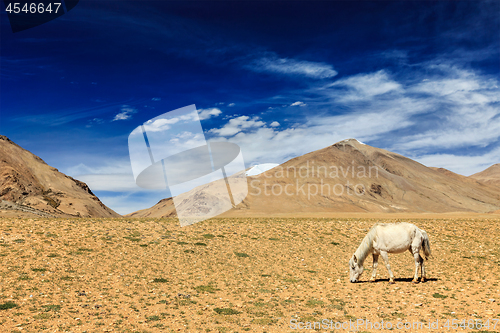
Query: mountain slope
<point x="27" y="181"/>
<point x="353" y="177"/>
<point x="489" y="176"/>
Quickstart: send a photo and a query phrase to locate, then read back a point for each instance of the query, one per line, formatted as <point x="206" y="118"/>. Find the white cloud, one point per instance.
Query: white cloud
<point x="156" y="99"/>
<point x="299" y="103"/>
<point x="208" y="113"/>
<point x="126" y="113"/>
<point x="231" y="105"/>
<point x="159" y="125"/>
<point x="274" y="124"/>
<point x="237" y="125"/>
<point x="163" y="124"/>
<point x="273" y="64"/>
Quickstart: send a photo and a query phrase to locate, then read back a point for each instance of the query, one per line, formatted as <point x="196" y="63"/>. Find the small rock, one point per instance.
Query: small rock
<point x="418" y="304"/>
<point x="491" y="300"/>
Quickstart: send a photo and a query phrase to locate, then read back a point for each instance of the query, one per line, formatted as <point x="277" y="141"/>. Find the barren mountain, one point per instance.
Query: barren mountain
<point x="350" y="176"/>
<point x="489" y="176"/>
<point x="29" y="185"/>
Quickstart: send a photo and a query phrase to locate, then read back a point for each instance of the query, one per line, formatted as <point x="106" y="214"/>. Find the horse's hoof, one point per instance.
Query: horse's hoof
<point x="422" y="280"/>
<point x="391" y="282"/>
<point x="372" y="280"/>
<point x="415" y="281"/>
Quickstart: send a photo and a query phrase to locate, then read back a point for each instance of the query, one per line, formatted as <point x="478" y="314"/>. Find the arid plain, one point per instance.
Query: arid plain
<point x="238" y="275"/>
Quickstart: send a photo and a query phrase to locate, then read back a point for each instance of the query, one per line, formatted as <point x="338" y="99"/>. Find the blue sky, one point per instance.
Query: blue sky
<point x="280" y="79"/>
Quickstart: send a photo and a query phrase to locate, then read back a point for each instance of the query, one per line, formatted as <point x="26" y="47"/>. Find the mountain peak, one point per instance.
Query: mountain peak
<point x="490" y="175"/>
<point x="350" y="141"/>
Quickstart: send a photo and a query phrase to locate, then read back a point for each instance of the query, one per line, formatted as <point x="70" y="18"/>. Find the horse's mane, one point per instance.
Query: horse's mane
<point x="366" y="245"/>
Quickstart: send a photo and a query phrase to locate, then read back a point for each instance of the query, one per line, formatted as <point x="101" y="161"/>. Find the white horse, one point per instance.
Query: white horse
<point x="390" y="238"/>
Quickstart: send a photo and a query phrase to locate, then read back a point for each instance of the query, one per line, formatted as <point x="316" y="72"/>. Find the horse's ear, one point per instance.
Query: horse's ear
<point x="355" y="259"/>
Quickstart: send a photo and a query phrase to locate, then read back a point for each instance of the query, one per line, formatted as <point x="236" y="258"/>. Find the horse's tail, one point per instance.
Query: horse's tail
<point x="426" y="246"/>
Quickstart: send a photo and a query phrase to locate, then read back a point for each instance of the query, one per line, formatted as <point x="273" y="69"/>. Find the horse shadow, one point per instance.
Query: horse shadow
<point x="400" y="280"/>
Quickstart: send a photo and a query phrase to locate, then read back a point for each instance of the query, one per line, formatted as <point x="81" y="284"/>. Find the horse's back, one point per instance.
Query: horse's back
<point x="394" y="237"/>
<point x="396" y="228"/>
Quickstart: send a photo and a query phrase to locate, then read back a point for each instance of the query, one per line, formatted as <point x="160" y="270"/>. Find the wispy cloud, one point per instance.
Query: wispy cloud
<point x="109" y="174"/>
<point x="299" y="103"/>
<point x="111" y="182"/>
<point x="286" y="66"/>
<point x="65" y="116"/>
<point x="94" y="121"/>
<point x="102" y="166"/>
<point x="126" y="112"/>
<point x="365" y="86"/>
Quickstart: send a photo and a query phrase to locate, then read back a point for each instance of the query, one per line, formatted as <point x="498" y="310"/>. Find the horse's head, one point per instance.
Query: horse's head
<point x="355" y="268"/>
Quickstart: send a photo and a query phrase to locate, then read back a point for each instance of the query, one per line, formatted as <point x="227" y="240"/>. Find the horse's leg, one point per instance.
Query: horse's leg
<point x="417" y="266"/>
<point x="384" y="256"/>
<point x="375" y="264"/>
<point x="422" y="268"/>
<point x="419" y="261"/>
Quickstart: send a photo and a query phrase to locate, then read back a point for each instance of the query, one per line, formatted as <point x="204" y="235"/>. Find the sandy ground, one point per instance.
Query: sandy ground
<point x="238" y="275"/>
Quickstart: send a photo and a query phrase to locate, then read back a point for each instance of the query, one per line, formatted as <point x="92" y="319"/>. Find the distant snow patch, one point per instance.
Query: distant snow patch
<point x="260" y="168"/>
<point x="347" y="140"/>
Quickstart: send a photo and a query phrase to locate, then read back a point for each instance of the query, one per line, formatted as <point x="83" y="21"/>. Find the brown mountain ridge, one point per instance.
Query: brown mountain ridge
<point x="350" y="176"/>
<point x="28" y="184"/>
<point x="489" y="176"/>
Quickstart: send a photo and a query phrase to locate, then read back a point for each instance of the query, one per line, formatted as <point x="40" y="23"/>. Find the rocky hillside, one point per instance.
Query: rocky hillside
<point x="28" y="184"/>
